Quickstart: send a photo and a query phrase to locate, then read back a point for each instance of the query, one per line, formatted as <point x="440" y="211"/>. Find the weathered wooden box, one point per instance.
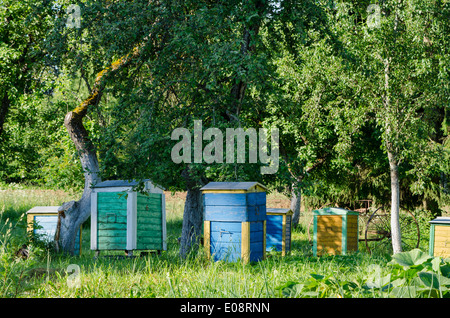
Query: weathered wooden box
<point x="335" y="231"/>
<point x="125" y="219"/>
<point x="46" y="219"/>
<point x="278" y="230"/>
<point x="235" y="221"/>
<point x="440" y="237"/>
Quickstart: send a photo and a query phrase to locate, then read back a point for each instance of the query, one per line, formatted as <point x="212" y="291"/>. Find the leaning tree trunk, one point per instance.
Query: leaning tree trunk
<point x="72" y="214"/>
<point x="192" y="216"/>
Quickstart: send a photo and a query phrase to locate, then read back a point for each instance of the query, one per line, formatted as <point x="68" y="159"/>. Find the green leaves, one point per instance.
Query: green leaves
<point x="318" y="286"/>
<point x="409" y="259"/>
<point x="416" y="274"/>
<point x="410" y="274"/>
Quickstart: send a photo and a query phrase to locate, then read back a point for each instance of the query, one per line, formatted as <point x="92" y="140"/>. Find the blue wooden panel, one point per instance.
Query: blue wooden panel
<point x="256" y="252"/>
<point x="274" y="233"/>
<point x="226" y="226"/>
<point x="256" y="198"/>
<point x="240" y="207"/>
<point x="256" y="233"/>
<point x="256" y="241"/>
<point x="227" y="199"/>
<point x="226" y="241"/>
<point x="234" y="213"/>
<point x="47" y="226"/>
<point x="274" y="224"/>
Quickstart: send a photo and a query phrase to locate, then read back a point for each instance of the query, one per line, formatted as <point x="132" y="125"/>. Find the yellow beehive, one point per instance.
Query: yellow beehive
<point x="335" y="231"/>
<point x="440" y="237"/>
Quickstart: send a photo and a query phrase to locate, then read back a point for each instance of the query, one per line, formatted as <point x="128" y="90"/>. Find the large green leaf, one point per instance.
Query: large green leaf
<point x="410" y="258"/>
<point x="430" y="280"/>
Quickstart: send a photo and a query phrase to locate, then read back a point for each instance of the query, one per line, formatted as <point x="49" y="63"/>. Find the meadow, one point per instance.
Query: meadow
<point x="299" y="274"/>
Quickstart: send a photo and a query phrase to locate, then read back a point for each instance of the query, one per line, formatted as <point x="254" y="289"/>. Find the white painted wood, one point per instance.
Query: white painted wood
<point x="163" y="218"/>
<point x="94" y="221"/>
<point x="151" y="188"/>
<point x="131" y="220"/>
<point x="112" y="189"/>
<point x="43" y="209"/>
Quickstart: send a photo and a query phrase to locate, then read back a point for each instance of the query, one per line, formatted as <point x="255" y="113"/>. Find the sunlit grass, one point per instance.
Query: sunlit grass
<point x="165" y="275"/>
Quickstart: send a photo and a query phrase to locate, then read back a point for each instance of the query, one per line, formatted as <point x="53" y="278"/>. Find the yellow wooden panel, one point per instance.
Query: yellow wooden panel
<point x="441" y="239"/>
<point x="245" y="243"/>
<point x="443" y="231"/>
<point x="442" y="252"/>
<point x="207" y="237"/>
<point x="321" y="250"/>
<point x="329" y="234"/>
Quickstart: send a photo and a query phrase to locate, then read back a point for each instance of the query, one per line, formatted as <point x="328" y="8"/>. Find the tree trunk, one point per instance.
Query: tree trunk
<point x="71" y="215"/>
<point x="395" y="204"/>
<point x="295" y="204"/>
<point x="393" y="167"/>
<point x="192" y="216"/>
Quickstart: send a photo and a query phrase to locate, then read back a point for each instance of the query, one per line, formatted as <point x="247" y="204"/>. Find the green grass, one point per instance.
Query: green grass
<point x="46" y="274"/>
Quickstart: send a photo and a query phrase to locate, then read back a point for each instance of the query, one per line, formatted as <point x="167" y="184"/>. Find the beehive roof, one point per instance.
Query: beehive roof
<point x="333" y="210"/>
<point x="234" y="186"/>
<point x="441" y="220"/>
<point x="122" y="183"/>
<point x="116" y="183"/>
<point x="43" y="209"/>
<point x="279" y="211"/>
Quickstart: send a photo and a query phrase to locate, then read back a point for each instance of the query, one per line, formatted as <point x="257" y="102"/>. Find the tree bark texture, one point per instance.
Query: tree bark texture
<point x="395" y="205"/>
<point x="295" y="204"/>
<point x="192" y="216"/>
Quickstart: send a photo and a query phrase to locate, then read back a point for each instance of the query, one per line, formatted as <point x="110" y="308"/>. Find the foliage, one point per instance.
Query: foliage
<point x="416" y="274"/>
<point x="412" y="274"/>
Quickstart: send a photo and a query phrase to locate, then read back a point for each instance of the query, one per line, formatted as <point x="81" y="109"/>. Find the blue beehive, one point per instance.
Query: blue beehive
<point x="235" y="220"/>
<point x="46" y="219"/>
<point x="278" y="230"/>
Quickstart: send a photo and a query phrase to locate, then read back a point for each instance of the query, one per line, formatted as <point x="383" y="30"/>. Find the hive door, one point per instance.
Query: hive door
<point x="329" y="234"/>
<point x="149" y="233"/>
<point x="225" y="241"/>
<point x="111" y="221"/>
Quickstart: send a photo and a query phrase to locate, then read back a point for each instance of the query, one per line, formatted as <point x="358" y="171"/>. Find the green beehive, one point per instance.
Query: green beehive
<point x="125" y="219"/>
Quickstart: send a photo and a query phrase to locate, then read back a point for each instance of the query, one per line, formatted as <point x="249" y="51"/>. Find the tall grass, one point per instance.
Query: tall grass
<point x="46" y="274"/>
